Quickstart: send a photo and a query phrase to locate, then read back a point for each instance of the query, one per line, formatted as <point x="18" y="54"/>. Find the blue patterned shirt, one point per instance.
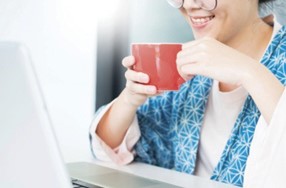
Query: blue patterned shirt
<point x="170" y="124"/>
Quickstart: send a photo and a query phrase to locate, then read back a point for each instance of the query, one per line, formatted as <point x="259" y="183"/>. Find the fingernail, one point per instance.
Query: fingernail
<point x="144" y="78"/>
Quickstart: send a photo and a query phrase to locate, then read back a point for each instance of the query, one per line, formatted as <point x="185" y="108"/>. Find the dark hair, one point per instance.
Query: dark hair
<point x="264" y="1"/>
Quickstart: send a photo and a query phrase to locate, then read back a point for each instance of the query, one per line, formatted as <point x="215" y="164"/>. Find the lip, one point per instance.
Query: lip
<point x="200" y="22"/>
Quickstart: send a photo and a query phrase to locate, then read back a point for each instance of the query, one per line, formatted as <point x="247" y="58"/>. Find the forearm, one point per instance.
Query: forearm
<point x="264" y="88"/>
<point x="114" y="124"/>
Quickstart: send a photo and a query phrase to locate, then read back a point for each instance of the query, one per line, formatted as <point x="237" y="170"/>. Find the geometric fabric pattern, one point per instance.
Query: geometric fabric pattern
<point x="170" y="124"/>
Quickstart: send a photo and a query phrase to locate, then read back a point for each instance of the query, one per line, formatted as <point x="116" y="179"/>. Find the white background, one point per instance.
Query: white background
<point x="61" y="36"/>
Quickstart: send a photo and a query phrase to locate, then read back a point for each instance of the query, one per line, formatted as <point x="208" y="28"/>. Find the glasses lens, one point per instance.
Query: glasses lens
<point x="207" y="4"/>
<point x="176" y="3"/>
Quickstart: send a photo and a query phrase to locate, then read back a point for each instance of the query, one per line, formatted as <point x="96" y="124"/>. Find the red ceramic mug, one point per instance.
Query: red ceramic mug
<point x="159" y="62"/>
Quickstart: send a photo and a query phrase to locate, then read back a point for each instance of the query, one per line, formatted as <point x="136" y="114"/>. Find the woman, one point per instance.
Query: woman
<point x="205" y="128"/>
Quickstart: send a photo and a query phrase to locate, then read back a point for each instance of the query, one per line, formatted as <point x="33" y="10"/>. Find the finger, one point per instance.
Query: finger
<point x="192" y="65"/>
<point x="190" y="44"/>
<point x="197" y="42"/>
<point x="158" y="93"/>
<point x="193" y="50"/>
<point x="193" y="69"/>
<point x="136" y="76"/>
<point x="190" y="59"/>
<point x="187" y="52"/>
<point x="128" y="62"/>
<point x="141" y="89"/>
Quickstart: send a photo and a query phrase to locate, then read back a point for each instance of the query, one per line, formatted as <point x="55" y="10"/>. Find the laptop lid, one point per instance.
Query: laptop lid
<point x="30" y="156"/>
<point x="29" y="152"/>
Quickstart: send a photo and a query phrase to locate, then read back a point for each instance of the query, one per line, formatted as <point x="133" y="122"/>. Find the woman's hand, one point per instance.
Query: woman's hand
<point x="135" y="92"/>
<point x="211" y="58"/>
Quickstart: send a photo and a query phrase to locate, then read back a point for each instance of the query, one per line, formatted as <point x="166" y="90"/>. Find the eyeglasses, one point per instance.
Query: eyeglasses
<point x="204" y="4"/>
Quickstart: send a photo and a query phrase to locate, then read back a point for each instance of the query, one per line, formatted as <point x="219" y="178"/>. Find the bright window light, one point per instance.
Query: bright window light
<point x="106" y="9"/>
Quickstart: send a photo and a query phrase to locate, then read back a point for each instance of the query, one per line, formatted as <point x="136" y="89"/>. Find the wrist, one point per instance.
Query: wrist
<point x="264" y="88"/>
<point x="252" y="74"/>
<point x="127" y="100"/>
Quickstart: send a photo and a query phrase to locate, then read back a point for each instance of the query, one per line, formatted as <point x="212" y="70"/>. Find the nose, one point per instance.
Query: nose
<point x="191" y="4"/>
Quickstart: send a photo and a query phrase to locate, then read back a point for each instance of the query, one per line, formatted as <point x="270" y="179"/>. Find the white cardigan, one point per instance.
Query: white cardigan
<point x="266" y="163"/>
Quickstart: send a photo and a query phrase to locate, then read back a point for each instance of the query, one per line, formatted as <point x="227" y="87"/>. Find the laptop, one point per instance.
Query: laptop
<point x="30" y="156"/>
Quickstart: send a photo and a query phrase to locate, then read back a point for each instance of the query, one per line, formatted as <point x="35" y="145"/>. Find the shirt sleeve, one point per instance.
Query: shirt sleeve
<point x="266" y="163"/>
<point x="124" y="153"/>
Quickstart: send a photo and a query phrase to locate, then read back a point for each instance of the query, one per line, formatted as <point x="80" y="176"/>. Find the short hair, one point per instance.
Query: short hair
<point x="264" y="1"/>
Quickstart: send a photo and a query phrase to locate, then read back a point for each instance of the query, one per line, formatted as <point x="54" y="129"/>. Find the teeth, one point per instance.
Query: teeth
<point x="201" y="20"/>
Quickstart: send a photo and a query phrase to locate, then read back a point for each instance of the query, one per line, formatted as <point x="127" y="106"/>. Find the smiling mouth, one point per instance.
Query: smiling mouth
<point x="201" y="20"/>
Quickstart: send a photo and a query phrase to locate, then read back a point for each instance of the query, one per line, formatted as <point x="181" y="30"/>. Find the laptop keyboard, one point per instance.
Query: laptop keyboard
<point x="80" y="184"/>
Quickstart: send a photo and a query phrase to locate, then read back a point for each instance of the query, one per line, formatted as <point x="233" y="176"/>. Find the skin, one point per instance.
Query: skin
<point x="227" y="48"/>
<point x="269" y="19"/>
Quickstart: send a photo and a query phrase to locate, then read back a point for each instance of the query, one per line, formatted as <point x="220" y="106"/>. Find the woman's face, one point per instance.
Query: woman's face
<point x="229" y="20"/>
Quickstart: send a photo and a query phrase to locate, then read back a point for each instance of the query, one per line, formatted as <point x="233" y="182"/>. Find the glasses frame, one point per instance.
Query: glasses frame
<point x="195" y="0"/>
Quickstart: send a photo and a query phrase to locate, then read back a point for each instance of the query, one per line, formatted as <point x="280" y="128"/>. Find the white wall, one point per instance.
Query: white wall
<point x="61" y="35"/>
